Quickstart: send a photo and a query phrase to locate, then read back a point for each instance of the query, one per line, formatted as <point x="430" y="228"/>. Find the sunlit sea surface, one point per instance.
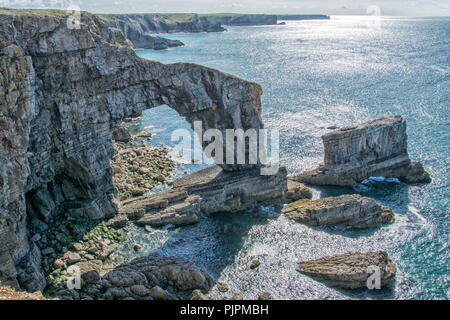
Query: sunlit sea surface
<point x="317" y="74"/>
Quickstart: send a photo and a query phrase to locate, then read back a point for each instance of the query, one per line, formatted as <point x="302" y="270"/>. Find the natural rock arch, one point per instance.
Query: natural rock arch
<point x="73" y="87"/>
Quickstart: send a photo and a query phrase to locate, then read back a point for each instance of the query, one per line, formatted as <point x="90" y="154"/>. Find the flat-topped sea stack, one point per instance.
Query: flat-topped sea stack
<point x="350" y="270"/>
<point x="373" y="149"/>
<point x="347" y="210"/>
<point x="208" y="191"/>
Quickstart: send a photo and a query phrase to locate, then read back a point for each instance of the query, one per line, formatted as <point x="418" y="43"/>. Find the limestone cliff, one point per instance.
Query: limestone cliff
<point x="303" y="17"/>
<point x="242" y="19"/>
<point x="62" y="92"/>
<point x="139" y="29"/>
<point x="375" y="148"/>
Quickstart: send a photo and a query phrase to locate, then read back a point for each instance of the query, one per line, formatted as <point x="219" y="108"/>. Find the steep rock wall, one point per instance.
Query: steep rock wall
<point x="74" y="87"/>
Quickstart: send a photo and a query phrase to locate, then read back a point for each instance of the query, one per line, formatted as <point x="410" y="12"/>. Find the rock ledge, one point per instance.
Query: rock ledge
<point x="350" y="270"/>
<point x="349" y="210"/>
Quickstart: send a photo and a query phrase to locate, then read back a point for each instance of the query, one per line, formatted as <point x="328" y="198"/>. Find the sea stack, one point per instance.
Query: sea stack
<point x="350" y="270"/>
<point x="347" y="210"/>
<point x="372" y="149"/>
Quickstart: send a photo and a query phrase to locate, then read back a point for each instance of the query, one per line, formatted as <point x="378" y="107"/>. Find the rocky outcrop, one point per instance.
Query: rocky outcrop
<point x="297" y="191"/>
<point x="350" y="270"/>
<point x="63" y="92"/>
<point x="348" y="210"/>
<point x="375" y="148"/>
<point x="208" y="191"/>
<point x="138" y="30"/>
<point x="155" y="277"/>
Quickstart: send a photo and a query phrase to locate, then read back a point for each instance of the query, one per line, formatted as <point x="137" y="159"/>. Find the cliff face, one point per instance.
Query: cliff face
<point x="304" y="17"/>
<point x="242" y="20"/>
<point x="140" y="28"/>
<point x="63" y="92"/>
<point x="376" y="148"/>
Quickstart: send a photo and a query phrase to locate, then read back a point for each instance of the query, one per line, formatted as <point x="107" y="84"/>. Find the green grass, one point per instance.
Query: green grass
<point x="38" y="12"/>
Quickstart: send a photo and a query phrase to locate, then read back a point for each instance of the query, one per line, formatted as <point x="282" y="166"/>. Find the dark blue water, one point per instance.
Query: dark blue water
<point x="316" y="74"/>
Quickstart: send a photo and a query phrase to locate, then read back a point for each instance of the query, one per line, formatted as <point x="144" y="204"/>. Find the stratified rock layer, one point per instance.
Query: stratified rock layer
<point x="348" y="210"/>
<point x="350" y="270"/>
<point x="376" y="148"/>
<point x="208" y="191"/>
<point x="63" y="91"/>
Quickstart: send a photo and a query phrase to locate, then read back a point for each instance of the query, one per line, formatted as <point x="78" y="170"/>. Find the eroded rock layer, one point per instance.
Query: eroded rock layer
<point x="375" y="148"/>
<point x="351" y="270"/>
<point x="63" y="90"/>
<point x="208" y="191"/>
<point x="347" y="210"/>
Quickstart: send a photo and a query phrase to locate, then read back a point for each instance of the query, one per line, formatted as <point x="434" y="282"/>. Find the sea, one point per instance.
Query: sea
<point x="317" y="74"/>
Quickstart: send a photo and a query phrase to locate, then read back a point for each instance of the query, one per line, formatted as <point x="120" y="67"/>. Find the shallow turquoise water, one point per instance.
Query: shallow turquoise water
<point x="316" y="74"/>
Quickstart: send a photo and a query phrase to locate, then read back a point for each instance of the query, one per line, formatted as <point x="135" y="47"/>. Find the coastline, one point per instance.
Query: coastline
<point x="162" y="294"/>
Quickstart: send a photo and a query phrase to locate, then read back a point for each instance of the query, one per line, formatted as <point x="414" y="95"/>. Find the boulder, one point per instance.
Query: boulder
<point x="156" y="277"/>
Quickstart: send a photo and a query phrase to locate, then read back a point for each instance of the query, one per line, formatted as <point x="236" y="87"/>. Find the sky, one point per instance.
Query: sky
<point x="330" y="7"/>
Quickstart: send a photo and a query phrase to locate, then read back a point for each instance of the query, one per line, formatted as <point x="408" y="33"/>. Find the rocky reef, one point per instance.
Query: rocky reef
<point x="63" y="91"/>
<point x="372" y="149"/>
<point x="208" y="191"/>
<point x="347" y="210"/>
<point x="350" y="270"/>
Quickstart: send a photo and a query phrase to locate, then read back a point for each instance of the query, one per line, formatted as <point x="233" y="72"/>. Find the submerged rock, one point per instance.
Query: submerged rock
<point x="350" y="270"/>
<point x="237" y="296"/>
<point x="375" y="148"/>
<point x="198" y="295"/>
<point x="265" y="296"/>
<point x="348" y="210"/>
<point x="222" y="287"/>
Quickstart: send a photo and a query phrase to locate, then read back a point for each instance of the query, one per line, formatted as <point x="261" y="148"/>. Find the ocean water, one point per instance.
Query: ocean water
<point x="317" y="74"/>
